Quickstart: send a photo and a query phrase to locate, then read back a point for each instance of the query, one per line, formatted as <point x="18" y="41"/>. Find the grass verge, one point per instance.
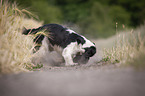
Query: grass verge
<point x="15" y="49"/>
<point x="129" y="49"/>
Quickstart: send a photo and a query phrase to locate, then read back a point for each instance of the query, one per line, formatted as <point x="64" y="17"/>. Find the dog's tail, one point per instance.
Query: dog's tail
<point x="30" y="31"/>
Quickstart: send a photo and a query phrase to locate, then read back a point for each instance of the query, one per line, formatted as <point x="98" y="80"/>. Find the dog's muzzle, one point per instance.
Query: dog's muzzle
<point x="81" y="58"/>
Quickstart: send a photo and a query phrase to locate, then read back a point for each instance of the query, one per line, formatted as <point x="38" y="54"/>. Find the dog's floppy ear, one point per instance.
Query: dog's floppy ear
<point x="93" y="51"/>
<point x="90" y="51"/>
<point x="80" y="40"/>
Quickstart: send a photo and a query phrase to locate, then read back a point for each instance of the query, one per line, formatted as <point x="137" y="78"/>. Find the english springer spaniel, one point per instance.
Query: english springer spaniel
<point x="76" y="49"/>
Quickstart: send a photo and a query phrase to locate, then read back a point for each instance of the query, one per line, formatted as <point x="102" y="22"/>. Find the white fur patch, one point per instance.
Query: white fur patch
<point x="88" y="43"/>
<point x="68" y="52"/>
<point x="70" y="31"/>
<point x="44" y="46"/>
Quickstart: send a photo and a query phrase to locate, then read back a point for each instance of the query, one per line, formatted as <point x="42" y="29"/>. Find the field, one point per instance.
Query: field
<point x="117" y="67"/>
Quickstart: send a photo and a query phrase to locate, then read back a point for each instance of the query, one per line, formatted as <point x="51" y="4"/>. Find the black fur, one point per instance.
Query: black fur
<point x="38" y="41"/>
<point x="59" y="36"/>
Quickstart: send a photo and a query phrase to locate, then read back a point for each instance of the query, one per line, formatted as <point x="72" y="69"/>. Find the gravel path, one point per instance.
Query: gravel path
<point x="90" y="82"/>
<point x="92" y="79"/>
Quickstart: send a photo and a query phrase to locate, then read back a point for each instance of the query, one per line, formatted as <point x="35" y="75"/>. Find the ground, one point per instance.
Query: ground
<point x="92" y="79"/>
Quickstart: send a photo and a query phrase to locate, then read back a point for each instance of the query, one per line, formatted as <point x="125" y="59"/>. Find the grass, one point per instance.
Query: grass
<point x="15" y="48"/>
<point x="128" y="50"/>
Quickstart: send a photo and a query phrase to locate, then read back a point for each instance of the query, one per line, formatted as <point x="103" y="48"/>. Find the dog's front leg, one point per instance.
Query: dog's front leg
<point x="67" y="54"/>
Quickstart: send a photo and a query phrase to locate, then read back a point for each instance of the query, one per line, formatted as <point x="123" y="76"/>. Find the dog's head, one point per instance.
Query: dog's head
<point x="84" y="57"/>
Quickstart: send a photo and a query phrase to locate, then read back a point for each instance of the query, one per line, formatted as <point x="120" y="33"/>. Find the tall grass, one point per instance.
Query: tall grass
<point x="15" y="49"/>
<point x="129" y="49"/>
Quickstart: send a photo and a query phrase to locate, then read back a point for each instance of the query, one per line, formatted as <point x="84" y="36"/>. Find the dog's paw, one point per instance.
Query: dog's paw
<point x="83" y="50"/>
<point x="72" y="64"/>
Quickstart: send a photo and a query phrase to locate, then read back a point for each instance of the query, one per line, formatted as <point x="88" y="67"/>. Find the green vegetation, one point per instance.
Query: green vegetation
<point x="94" y="17"/>
<point x="34" y="68"/>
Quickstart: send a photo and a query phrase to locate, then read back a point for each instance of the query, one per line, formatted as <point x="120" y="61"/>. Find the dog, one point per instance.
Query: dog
<point x="76" y="49"/>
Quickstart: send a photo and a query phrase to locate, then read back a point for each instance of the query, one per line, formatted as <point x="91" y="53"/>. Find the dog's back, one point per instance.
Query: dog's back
<point x="59" y="35"/>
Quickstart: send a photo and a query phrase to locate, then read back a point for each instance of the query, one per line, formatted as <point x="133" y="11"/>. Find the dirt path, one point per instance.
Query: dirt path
<point x="92" y="79"/>
<point x="90" y="82"/>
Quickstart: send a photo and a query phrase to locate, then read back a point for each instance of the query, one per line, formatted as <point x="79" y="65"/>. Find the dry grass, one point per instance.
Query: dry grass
<point x="128" y="50"/>
<point x="15" y="49"/>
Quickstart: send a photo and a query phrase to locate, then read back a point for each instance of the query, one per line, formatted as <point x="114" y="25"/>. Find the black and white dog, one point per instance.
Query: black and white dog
<point x="75" y="48"/>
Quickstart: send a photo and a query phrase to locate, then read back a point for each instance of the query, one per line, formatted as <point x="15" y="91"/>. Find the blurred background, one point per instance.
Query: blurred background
<point x="98" y="18"/>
